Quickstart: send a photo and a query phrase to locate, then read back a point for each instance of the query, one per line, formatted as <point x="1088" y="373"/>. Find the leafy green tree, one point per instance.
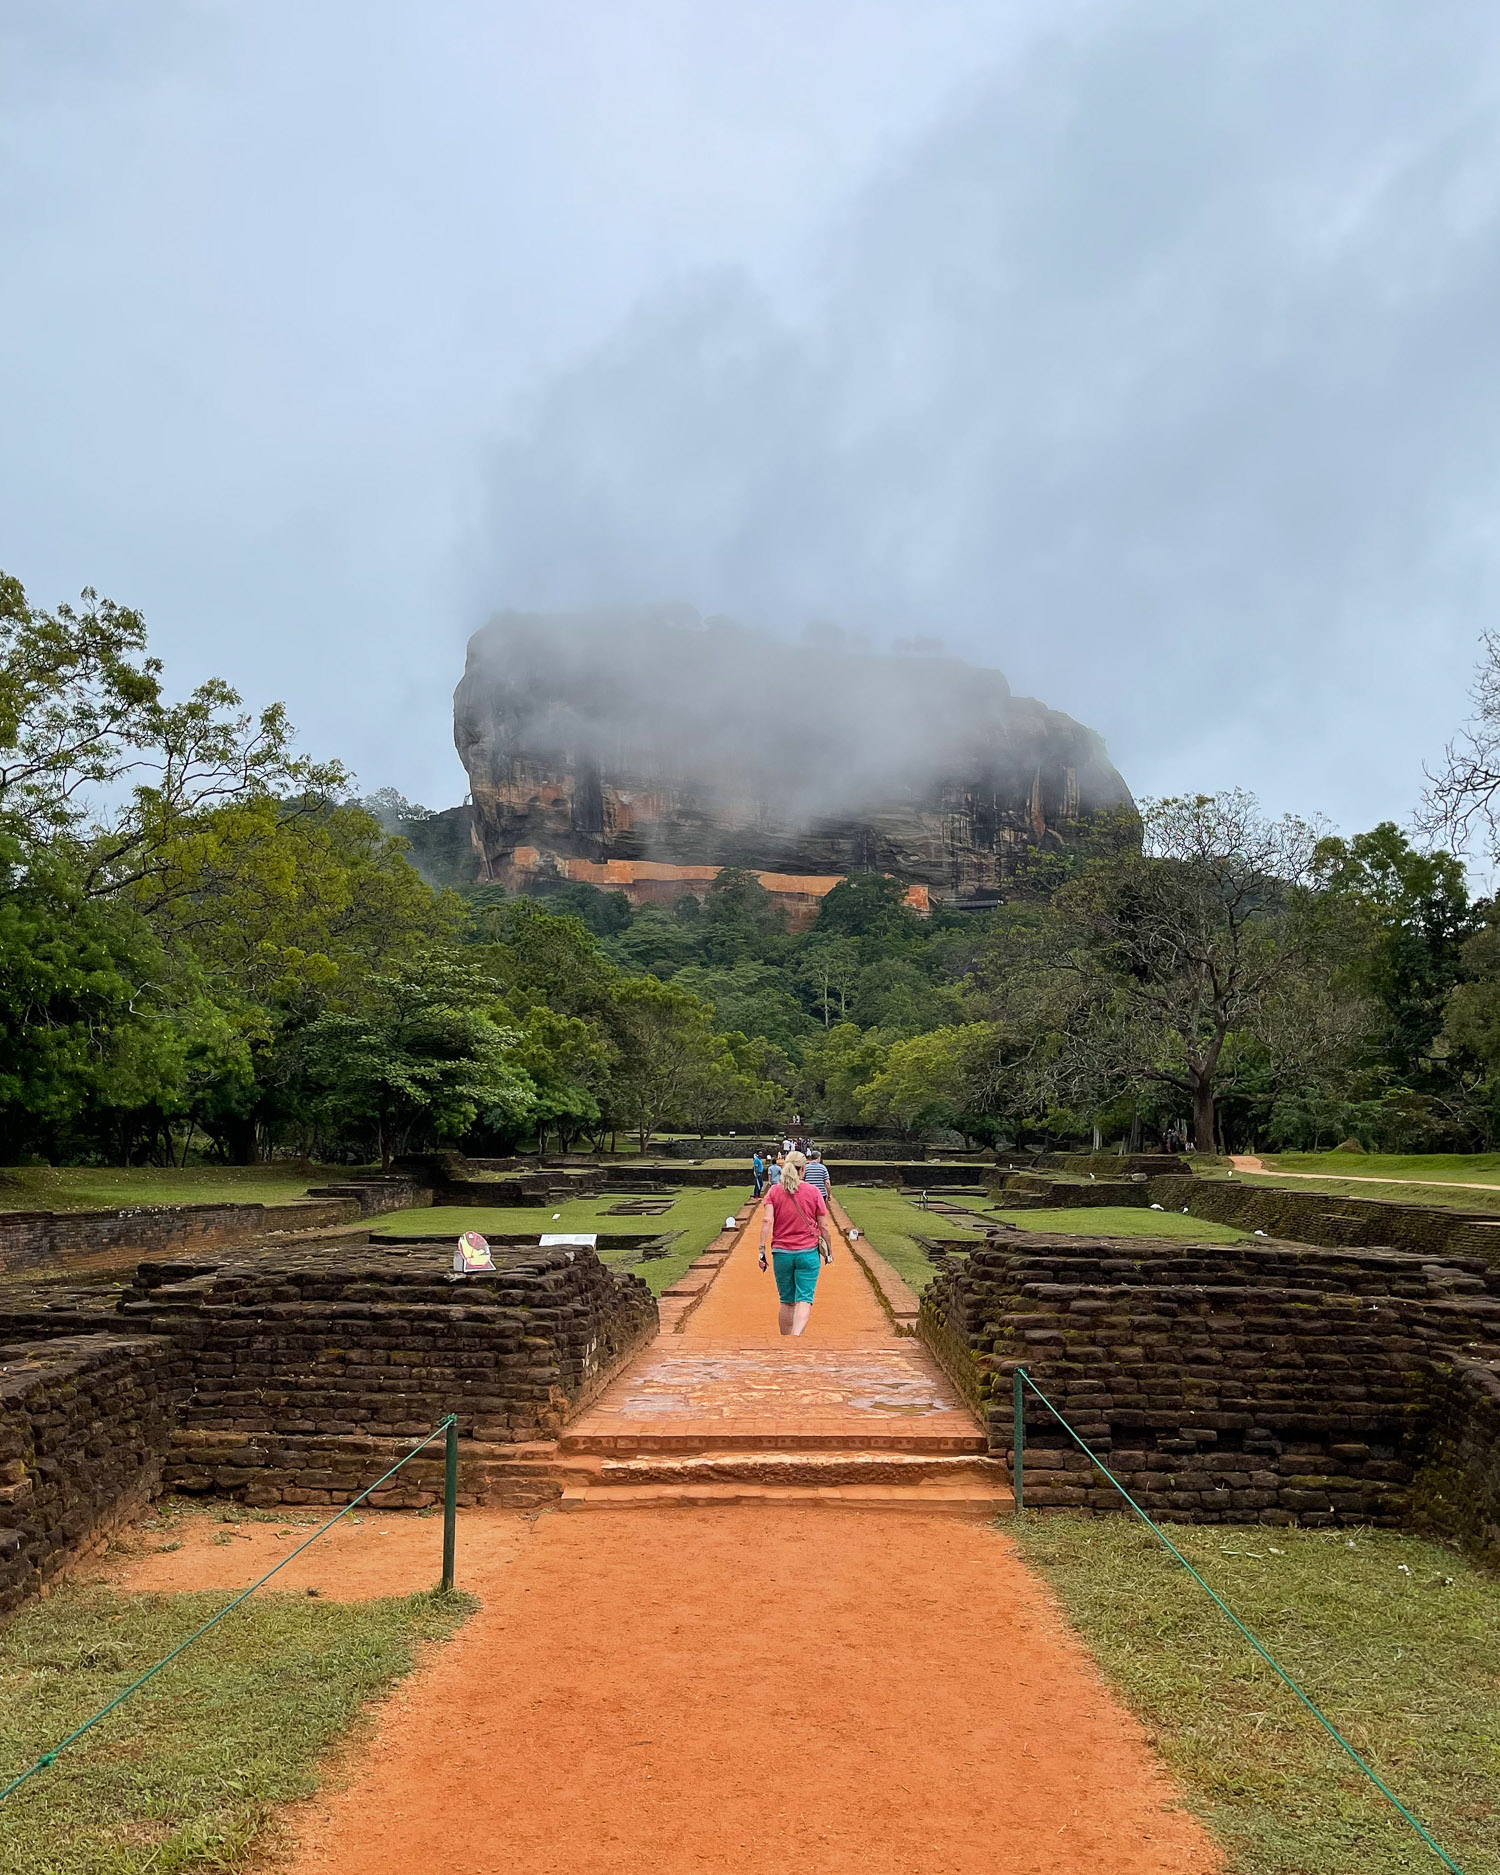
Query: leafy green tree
<point x="666" y="1055"/>
<point x="1411" y="918"/>
<point x="567" y="1060"/>
<point x="868" y="905"/>
<point x="750" y="997"/>
<point x="1197" y="966"/>
<point x="827" y="968"/>
<point x="657" y="942"/>
<point x="425" y="1058"/>
<point x="92" y="753"/>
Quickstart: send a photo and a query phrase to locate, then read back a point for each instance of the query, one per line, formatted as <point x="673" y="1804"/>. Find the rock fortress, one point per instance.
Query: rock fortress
<point x="641" y="751"/>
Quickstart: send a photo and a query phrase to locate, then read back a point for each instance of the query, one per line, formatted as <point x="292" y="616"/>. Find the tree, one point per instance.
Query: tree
<point x="943" y="1079"/>
<point x="867" y="905"/>
<point x="666" y="1047"/>
<point x="1411" y="920"/>
<point x="750" y="997"/>
<point x="1191" y="951"/>
<point x="92" y="755"/>
<point x="829" y="966"/>
<point x="567" y="1061"/>
<point x="427" y="1055"/>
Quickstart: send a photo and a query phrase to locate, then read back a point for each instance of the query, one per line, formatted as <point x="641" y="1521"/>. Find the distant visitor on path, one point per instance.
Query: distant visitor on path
<point x="794" y="1223"/>
<point x="758" y="1172"/>
<point x="773" y="1171"/>
<point x="817" y="1173"/>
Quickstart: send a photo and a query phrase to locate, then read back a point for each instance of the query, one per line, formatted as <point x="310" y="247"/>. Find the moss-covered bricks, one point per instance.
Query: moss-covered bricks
<point x="297" y="1378"/>
<point x="1236" y="1383"/>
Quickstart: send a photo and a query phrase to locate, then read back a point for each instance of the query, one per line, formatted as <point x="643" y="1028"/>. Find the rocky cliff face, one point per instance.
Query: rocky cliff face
<point x="645" y="750"/>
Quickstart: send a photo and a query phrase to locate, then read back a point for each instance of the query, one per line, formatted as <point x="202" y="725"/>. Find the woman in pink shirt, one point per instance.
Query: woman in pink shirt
<point x="795" y="1225"/>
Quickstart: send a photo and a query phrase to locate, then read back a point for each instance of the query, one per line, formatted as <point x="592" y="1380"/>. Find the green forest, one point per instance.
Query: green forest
<point x="212" y="949"/>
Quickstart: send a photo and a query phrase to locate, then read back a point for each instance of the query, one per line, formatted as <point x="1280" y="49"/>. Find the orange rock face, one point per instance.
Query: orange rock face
<point x="643" y="752"/>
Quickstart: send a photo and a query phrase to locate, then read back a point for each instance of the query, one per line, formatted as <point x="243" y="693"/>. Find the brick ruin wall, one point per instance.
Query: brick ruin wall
<point x="38" y="1240"/>
<point x="299" y="1379"/>
<point x="1247" y="1384"/>
<point x="1306" y="1217"/>
<point x="83" y="1428"/>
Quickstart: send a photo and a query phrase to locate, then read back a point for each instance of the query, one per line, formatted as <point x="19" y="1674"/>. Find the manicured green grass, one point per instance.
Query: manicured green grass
<point x="1109" y="1220"/>
<point x="1439" y="1167"/>
<point x="94" y="1188"/>
<point x="889" y="1220"/>
<point x="697" y="1212"/>
<point x="1397" y="1640"/>
<point x="183" y="1775"/>
<point x="1451" y="1197"/>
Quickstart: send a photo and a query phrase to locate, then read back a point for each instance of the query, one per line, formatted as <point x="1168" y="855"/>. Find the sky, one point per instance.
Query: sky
<point x="1147" y="350"/>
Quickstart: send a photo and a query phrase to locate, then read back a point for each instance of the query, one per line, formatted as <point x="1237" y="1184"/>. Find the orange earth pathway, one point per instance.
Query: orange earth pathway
<point x="751" y="1690"/>
<point x="733" y="1671"/>
<point x="723" y="1408"/>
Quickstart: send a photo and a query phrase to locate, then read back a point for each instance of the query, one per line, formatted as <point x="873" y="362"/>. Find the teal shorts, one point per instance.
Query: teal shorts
<point x="796" y="1274"/>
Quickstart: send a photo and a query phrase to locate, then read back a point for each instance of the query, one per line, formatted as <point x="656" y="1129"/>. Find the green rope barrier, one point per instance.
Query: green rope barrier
<point x="1275" y="1665"/>
<point x="49" y="1758"/>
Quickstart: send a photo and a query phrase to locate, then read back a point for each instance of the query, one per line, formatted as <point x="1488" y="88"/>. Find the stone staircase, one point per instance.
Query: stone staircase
<point x="830" y="1474"/>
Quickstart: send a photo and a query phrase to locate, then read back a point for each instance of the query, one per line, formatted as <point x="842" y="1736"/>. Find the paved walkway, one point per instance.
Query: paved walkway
<point x="722" y="1405"/>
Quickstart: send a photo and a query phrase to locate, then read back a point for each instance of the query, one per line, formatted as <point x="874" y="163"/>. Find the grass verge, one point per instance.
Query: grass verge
<point x="104" y="1188"/>
<point x="1398" y="1641"/>
<point x="1437" y="1167"/>
<point x="697" y="1212"/>
<point x="1109" y="1220"/>
<point x="185" y="1773"/>
<point x="1449" y="1197"/>
<point x="890" y="1221"/>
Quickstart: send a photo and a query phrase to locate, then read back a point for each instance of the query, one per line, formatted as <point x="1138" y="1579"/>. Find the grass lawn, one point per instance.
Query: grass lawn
<point x="697" y="1212"/>
<point x="888" y="1219"/>
<point x="1451" y="1197"/>
<point x="1108" y="1220"/>
<point x="1481" y="1168"/>
<point x="1398" y="1641"/>
<point x="99" y="1188"/>
<point x="183" y="1775"/>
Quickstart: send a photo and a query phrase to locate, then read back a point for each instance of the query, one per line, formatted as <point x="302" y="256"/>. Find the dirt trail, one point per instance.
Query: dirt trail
<point x="741" y="1306"/>
<point x="749" y="1689"/>
<point x="1248" y="1162"/>
<point x="755" y="1690"/>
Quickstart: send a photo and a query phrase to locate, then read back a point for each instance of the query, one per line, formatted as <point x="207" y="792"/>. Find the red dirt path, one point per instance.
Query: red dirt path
<point x="754" y="1690"/>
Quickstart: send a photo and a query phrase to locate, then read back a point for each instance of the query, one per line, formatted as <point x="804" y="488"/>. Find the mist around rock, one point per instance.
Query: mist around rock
<point x="810" y="731"/>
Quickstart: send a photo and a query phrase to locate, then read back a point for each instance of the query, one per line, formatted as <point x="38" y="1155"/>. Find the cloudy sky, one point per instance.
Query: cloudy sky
<point x="1150" y="351"/>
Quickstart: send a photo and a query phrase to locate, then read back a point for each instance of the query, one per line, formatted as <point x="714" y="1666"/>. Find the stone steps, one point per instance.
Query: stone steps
<point x="770" y="1436"/>
<point x="929" y="1497"/>
<point x="825" y="1467"/>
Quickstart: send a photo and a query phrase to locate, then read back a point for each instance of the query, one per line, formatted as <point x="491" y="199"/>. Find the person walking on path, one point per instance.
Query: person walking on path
<point x="758" y="1171"/>
<point x="817" y="1173"/>
<point x="794" y="1223"/>
<point x="773" y="1170"/>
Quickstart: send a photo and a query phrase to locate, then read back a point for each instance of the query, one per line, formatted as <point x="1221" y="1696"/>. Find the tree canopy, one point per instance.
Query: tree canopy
<point x="210" y="944"/>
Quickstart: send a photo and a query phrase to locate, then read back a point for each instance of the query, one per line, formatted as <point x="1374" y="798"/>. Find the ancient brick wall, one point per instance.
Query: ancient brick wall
<point x="83" y="1426"/>
<point x="1458" y="1488"/>
<point x="1261" y="1383"/>
<point x="1316" y="1218"/>
<point x="46" y="1239"/>
<point x="308" y="1373"/>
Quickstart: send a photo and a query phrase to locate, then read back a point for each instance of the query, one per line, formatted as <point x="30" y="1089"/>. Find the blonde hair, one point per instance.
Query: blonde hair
<point x="791" y="1175"/>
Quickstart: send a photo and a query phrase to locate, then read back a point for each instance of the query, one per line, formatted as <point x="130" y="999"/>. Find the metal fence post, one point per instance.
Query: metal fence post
<point x="450" y="1501"/>
<point x="1018" y="1442"/>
